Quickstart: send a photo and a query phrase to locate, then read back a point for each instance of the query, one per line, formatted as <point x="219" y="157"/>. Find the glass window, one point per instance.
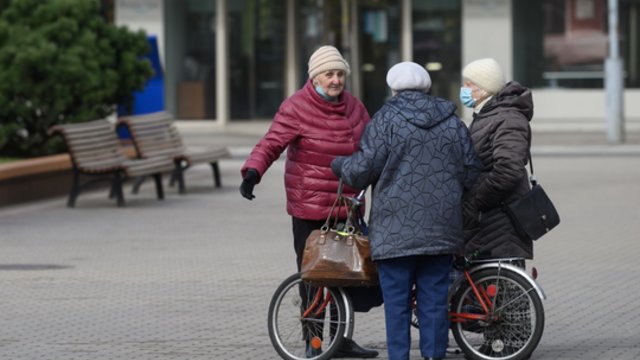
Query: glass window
<point x="256" y="57"/>
<point x="329" y="22"/>
<point x="379" y="48"/>
<point x="437" y="43"/>
<point x="107" y="10"/>
<point x="191" y="58"/>
<point x="564" y="43"/>
<point x="321" y="22"/>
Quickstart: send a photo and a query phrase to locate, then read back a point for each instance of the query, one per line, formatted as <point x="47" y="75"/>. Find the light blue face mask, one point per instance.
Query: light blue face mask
<point x="324" y="95"/>
<point x="466" y="98"/>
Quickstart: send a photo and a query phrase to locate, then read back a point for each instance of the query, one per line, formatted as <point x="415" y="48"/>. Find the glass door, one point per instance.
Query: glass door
<point x="191" y="58"/>
<point x="256" y="58"/>
<point x="437" y="43"/>
<point x="322" y="22"/>
<point x="379" y="32"/>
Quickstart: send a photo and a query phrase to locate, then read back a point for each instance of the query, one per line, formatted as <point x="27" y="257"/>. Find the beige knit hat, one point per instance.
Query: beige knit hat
<point x="327" y="58"/>
<point x="486" y="74"/>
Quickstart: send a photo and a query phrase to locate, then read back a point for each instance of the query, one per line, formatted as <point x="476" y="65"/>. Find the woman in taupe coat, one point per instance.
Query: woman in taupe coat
<point x="501" y="135"/>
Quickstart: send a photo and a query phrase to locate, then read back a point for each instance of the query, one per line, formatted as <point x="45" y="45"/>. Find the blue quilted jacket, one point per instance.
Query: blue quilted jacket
<point x="418" y="156"/>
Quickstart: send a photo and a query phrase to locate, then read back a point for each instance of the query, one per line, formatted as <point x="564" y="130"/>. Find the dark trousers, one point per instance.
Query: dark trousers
<point x="430" y="276"/>
<point x="301" y="230"/>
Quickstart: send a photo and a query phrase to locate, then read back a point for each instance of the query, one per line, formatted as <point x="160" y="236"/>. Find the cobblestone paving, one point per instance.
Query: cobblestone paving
<point x="191" y="277"/>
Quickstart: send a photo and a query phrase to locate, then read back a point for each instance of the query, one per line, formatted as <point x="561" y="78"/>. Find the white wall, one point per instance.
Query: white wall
<point x="584" y="109"/>
<point x="487" y="32"/>
<point x="147" y="15"/>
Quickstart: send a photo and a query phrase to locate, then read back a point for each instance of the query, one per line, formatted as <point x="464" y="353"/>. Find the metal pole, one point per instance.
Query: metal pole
<point x="222" y="64"/>
<point x="292" y="79"/>
<point x="406" y="33"/>
<point x="356" y="55"/>
<point x="614" y="84"/>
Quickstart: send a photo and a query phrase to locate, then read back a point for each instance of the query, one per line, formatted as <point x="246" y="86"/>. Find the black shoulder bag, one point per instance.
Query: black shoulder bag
<point x="534" y="215"/>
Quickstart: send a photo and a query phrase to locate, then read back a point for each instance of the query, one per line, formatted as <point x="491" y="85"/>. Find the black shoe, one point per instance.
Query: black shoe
<point x="350" y="349"/>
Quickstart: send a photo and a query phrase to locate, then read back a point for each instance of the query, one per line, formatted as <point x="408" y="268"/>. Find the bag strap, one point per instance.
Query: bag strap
<point x="532" y="178"/>
<point x="337" y="203"/>
<point x="351" y="223"/>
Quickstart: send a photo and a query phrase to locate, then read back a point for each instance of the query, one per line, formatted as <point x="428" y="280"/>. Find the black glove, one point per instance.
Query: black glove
<point x="250" y="180"/>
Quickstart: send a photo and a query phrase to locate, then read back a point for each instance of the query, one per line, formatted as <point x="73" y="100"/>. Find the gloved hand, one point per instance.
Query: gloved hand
<point x="336" y="166"/>
<point x="250" y="180"/>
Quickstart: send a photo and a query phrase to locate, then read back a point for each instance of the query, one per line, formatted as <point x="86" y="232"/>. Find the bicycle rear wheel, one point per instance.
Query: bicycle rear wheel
<point x="303" y="320"/>
<point x="515" y="321"/>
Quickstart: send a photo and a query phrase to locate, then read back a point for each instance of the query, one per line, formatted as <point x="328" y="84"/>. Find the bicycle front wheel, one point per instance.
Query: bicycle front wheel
<point x="514" y="321"/>
<point x="307" y="322"/>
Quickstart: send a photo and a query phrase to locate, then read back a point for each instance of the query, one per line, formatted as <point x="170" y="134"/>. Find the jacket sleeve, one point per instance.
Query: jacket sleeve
<point x="510" y="152"/>
<point x="283" y="131"/>
<point x="364" y="167"/>
<point x="472" y="164"/>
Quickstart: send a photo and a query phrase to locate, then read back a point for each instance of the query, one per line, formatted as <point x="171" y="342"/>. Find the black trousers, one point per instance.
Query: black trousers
<point x="301" y="230"/>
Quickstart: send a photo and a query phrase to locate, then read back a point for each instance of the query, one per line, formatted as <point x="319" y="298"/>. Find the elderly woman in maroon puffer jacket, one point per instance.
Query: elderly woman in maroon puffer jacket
<point x="316" y="124"/>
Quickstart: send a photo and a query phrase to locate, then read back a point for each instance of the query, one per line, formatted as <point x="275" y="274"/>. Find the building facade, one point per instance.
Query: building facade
<point x="230" y="61"/>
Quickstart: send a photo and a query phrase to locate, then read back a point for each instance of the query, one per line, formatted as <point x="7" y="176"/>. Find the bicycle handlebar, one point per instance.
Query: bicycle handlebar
<point x="357" y="200"/>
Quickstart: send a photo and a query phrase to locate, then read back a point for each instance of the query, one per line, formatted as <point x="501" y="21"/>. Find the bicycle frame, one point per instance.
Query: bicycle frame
<point x="481" y="295"/>
<point x="320" y="303"/>
<point x="500" y="264"/>
<point x="318" y="299"/>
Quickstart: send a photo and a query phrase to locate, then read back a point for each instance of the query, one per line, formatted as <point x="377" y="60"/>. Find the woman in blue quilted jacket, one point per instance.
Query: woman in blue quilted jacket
<point x="419" y="158"/>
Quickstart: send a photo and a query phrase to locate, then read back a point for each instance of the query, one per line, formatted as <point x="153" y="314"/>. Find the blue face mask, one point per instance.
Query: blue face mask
<point x="466" y="98"/>
<point x="324" y="95"/>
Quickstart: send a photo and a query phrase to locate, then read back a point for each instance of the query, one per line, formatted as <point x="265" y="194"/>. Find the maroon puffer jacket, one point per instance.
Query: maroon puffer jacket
<point x="314" y="131"/>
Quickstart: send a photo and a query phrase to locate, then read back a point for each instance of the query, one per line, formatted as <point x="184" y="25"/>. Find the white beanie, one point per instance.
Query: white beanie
<point x="327" y="58"/>
<point x="486" y="74"/>
<point x="408" y="75"/>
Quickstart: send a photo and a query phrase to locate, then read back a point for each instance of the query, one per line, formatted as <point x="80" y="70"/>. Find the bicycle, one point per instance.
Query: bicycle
<point x="495" y="312"/>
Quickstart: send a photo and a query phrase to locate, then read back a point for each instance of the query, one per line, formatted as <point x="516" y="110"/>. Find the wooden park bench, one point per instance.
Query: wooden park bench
<point x="95" y="152"/>
<point x="156" y="135"/>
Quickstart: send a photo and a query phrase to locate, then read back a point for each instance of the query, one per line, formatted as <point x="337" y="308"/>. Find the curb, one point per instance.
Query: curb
<point x="586" y="150"/>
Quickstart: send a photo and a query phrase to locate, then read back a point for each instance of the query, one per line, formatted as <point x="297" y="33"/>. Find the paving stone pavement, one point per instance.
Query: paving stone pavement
<point x="191" y="277"/>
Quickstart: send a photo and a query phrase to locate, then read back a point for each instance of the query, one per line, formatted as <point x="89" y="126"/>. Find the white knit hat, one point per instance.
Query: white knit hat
<point x="408" y="75"/>
<point x="327" y="58"/>
<point x="486" y="74"/>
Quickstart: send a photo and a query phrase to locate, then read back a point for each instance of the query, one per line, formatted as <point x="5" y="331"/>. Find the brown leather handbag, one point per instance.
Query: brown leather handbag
<point x="339" y="255"/>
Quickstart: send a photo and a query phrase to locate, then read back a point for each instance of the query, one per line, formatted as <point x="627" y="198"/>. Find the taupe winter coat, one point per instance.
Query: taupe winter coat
<point x="501" y="136"/>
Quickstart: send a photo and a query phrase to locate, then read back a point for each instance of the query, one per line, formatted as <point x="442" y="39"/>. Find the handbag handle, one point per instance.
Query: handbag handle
<point x="340" y="201"/>
<point x="327" y="222"/>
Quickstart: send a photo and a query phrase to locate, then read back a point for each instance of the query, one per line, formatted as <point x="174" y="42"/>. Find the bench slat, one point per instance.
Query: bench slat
<point x="94" y="148"/>
<point x="156" y="135"/>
